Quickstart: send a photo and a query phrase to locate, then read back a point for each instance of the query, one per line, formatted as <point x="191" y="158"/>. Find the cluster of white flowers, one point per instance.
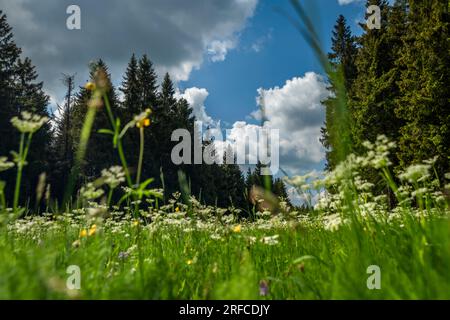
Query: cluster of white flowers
<point x="90" y="192"/>
<point x="5" y="164"/>
<point x="29" y="123"/>
<point x="416" y="173"/>
<point x="378" y="153"/>
<point x="333" y="222"/>
<point x="343" y="190"/>
<point x="447" y="176"/>
<point x="113" y="176"/>
<point x="270" y="240"/>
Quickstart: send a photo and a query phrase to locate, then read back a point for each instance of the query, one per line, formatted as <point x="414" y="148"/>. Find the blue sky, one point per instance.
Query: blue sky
<point x="232" y="84"/>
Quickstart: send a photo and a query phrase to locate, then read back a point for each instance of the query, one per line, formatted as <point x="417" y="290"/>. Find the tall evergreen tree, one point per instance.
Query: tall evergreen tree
<point x="131" y="106"/>
<point x="131" y="90"/>
<point x="147" y="80"/>
<point x="100" y="153"/>
<point x="342" y="59"/>
<point x="425" y="92"/>
<point x="371" y="100"/>
<point x="140" y="92"/>
<point x="62" y="144"/>
<point x="232" y="191"/>
<point x="9" y="54"/>
<point x="21" y="91"/>
<point x="279" y="189"/>
<point x="167" y="92"/>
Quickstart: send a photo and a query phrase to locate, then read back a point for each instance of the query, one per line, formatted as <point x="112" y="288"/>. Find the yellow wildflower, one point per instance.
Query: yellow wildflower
<point x="83" y="233"/>
<point x="237" y="229"/>
<point x="92" y="230"/>
<point x="143" y="123"/>
<point x="90" y="86"/>
<point x="142" y="120"/>
<point x="189" y="262"/>
<point x="135" y="223"/>
<point x="177" y="209"/>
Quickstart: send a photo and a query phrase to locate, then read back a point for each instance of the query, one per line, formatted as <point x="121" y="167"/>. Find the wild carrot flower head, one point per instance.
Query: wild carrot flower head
<point x="416" y="173"/>
<point x="332" y="222"/>
<point x="90" y="192"/>
<point x="113" y="176"/>
<point x="270" y="240"/>
<point x="5" y="164"/>
<point x="142" y="119"/>
<point x="378" y="153"/>
<point x="431" y="161"/>
<point x="28" y="123"/>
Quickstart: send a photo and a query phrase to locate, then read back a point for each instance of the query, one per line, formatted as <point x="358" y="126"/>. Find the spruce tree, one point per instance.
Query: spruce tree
<point x="29" y="96"/>
<point x="342" y="59"/>
<point x="424" y="84"/>
<point x="131" y="90"/>
<point x="62" y="145"/>
<point x="371" y="100"/>
<point x="131" y="106"/>
<point x="20" y="91"/>
<point x="9" y="54"/>
<point x="233" y="190"/>
<point x="100" y="153"/>
<point x="147" y="80"/>
<point x="167" y="94"/>
<point x="279" y="189"/>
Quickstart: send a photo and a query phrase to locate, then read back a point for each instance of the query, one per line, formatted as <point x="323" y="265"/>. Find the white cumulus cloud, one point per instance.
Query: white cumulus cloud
<point x="218" y="49"/>
<point x="196" y="98"/>
<point x="297" y="112"/>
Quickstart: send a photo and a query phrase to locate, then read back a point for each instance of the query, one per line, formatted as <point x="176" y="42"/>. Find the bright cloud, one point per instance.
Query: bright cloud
<point x="297" y="112"/>
<point x="218" y="49"/>
<point x="196" y="98"/>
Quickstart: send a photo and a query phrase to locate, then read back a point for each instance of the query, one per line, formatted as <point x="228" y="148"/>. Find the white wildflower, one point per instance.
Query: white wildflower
<point x="368" y="145"/>
<point x="431" y="161"/>
<point x="420" y="192"/>
<point x="5" y="164"/>
<point x="113" y="176"/>
<point x="251" y="240"/>
<point x="332" y="222"/>
<point x="216" y="236"/>
<point x="271" y="241"/>
<point x="29" y="123"/>
<point x="89" y="192"/>
<point x="416" y="173"/>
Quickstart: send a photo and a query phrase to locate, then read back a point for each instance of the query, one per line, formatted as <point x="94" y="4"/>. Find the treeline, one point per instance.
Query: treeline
<point x="397" y="84"/>
<point x="53" y="148"/>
